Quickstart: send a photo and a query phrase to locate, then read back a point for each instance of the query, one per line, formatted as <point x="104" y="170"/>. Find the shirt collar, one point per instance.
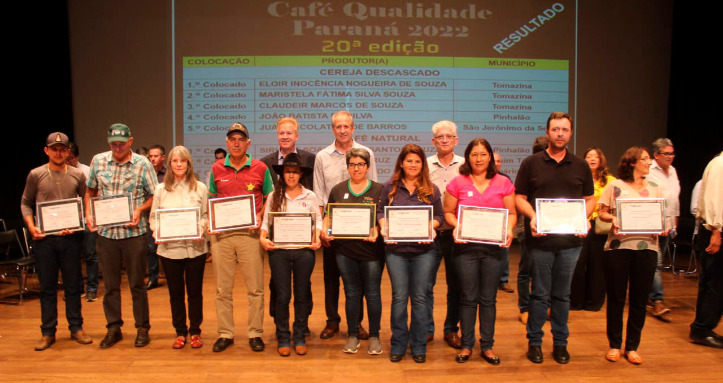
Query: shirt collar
<point x="227" y="162"/>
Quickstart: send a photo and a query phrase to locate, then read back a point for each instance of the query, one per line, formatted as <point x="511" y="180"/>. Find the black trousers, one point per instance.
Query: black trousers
<point x="185" y="276"/>
<point x="587" y="291"/>
<point x="636" y="268"/>
<point x="709" y="306"/>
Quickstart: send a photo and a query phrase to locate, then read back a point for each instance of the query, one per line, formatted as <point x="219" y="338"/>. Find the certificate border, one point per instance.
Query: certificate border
<point x="179" y="238"/>
<point x="408" y="239"/>
<point x="577" y="200"/>
<point x="39" y="216"/>
<point x="212" y="213"/>
<point x="460" y="210"/>
<point x="372" y="217"/>
<point x="275" y="214"/>
<point x="660" y="201"/>
<point x="114" y="224"/>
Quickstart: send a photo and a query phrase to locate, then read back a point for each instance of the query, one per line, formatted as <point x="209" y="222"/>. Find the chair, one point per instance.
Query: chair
<point x="693" y="260"/>
<point x="17" y="259"/>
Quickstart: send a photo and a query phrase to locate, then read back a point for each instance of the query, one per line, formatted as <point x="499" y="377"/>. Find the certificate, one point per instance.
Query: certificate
<point x="178" y="224"/>
<point x="56" y="216"/>
<point x="409" y="223"/>
<point x="351" y="220"/>
<point x="112" y="210"/>
<point x="292" y="229"/>
<point x="561" y="216"/>
<point x="232" y="213"/>
<point x="641" y="215"/>
<point x="482" y="225"/>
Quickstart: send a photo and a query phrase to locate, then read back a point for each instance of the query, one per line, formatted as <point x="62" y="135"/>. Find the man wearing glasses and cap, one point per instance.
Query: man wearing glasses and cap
<point x="120" y="171"/>
<point x="57" y="251"/>
<point x="239" y="174"/>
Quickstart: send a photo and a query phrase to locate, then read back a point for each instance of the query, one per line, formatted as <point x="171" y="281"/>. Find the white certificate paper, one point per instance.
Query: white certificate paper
<point x="178" y="224"/>
<point x="232" y="213"/>
<point x="641" y="215"/>
<point x="482" y="225"/>
<point x="351" y="220"/>
<point x="114" y="210"/>
<point x="292" y="229"/>
<point x="408" y="223"/>
<point x="56" y="216"/>
<point x="561" y="216"/>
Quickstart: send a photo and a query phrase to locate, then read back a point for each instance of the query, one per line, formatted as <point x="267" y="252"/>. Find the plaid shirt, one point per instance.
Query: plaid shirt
<point x="135" y="177"/>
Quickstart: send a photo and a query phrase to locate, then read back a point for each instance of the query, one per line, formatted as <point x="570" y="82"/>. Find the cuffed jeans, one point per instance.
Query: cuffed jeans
<point x="478" y="267"/>
<point x="185" y="275"/>
<point x="54" y="253"/>
<point x="284" y="263"/>
<point x="410" y="278"/>
<point x="551" y="277"/>
<point x="362" y="279"/>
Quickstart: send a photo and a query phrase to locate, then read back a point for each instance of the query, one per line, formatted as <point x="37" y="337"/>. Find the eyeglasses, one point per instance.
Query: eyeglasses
<point x="446" y="137"/>
<point x="669" y="154"/>
<point x="359" y="165"/>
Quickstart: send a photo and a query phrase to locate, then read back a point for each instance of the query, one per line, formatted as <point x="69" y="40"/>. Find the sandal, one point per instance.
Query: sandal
<point x="180" y="342"/>
<point x="613" y="355"/>
<point x="196" y="341"/>
<point x="633" y="357"/>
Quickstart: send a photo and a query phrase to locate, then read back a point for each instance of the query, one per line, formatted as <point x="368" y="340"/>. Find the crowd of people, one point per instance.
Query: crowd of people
<point x="558" y="272"/>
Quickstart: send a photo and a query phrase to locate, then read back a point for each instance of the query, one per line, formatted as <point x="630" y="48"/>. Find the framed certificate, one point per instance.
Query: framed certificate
<point x="561" y="216"/>
<point x="231" y="213"/>
<point x="409" y="223"/>
<point x="56" y="216"/>
<point x="351" y="220"/>
<point x="178" y="224"/>
<point x="640" y="215"/>
<point x="292" y="229"/>
<point x="112" y="210"/>
<point x="482" y="225"/>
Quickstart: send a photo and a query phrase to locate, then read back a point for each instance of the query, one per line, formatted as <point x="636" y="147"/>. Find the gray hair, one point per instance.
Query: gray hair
<point x="660" y="143"/>
<point x="444" y="124"/>
<point x="357" y="152"/>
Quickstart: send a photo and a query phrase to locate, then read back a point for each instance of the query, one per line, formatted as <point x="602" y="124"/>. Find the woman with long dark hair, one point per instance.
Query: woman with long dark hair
<point x="478" y="265"/>
<point x="290" y="196"/>
<point x="629" y="259"/>
<point x="410" y="263"/>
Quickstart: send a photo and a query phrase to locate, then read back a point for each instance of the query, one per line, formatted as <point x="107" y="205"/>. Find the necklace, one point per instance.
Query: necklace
<point x="65" y="173"/>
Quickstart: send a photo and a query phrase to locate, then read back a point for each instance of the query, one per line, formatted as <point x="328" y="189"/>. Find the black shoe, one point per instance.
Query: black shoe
<point x="463" y="358"/>
<point x="560" y="354"/>
<point x="152" y="284"/>
<point x="493" y="360"/>
<point x="142" y="339"/>
<point x="394" y="358"/>
<point x="710" y="341"/>
<point x="111" y="337"/>
<point x="534" y="354"/>
<point x="257" y="344"/>
<point x="421" y="358"/>
<point x="221" y="344"/>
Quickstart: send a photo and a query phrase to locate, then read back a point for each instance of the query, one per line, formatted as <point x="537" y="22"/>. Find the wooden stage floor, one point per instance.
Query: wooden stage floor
<point x="668" y="355"/>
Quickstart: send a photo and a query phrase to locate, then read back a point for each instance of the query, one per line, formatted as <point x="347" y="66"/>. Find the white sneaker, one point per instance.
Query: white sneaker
<point x="352" y="345"/>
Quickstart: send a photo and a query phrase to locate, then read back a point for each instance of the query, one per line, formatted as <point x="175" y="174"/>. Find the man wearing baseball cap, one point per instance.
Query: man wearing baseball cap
<point x="120" y="171"/>
<point x="239" y="174"/>
<point x="59" y="250"/>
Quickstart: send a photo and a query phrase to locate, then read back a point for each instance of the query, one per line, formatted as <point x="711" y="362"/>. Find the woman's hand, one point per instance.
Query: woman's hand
<point x="267" y="244"/>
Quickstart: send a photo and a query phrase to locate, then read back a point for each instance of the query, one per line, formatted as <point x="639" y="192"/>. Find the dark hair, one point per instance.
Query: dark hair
<point x="601" y="173"/>
<point x="627" y="162"/>
<point x="143" y="151"/>
<point x="466" y="169"/>
<point x="74" y="148"/>
<point x="425" y="188"/>
<point x="539" y="145"/>
<point x="159" y="147"/>
<point x="219" y="150"/>
<point x="557" y="116"/>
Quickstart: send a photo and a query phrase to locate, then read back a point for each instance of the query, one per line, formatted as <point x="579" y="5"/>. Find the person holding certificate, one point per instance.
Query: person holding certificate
<point x="291" y="197"/>
<point x="587" y="291"/>
<point x="410" y="263"/>
<point x="629" y="259"/>
<point x="360" y="261"/>
<point x="184" y="261"/>
<point x="61" y="250"/>
<point x="479" y="265"/>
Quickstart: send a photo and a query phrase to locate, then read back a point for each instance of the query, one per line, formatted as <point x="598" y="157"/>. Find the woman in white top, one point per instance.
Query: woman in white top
<point x="291" y="197"/>
<point x="184" y="261"/>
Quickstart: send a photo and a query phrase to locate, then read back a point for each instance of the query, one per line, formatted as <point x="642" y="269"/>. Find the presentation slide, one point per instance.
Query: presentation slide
<point x="495" y="68"/>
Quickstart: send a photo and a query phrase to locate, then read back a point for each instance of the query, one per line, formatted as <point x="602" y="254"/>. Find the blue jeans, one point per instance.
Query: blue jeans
<point x="54" y="253"/>
<point x="361" y="279"/>
<point x="410" y="278"/>
<point x="445" y="243"/>
<point x="656" y="291"/>
<point x="552" y="272"/>
<point x="285" y="263"/>
<point x="478" y="267"/>
<point x="505" y="268"/>
<point x="91" y="259"/>
<point x="152" y="258"/>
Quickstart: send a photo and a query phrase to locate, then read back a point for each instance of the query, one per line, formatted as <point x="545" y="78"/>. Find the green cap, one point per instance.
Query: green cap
<point x="119" y="132"/>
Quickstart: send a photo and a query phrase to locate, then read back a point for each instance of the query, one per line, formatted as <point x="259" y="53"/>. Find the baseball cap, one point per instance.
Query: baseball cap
<point x="57" y="138"/>
<point x="119" y="132"/>
<point x="238" y="127"/>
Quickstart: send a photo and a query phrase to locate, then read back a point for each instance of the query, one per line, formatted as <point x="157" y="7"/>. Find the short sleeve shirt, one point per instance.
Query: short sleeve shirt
<point x="462" y="188"/>
<point x="354" y="248"/>
<point x="252" y="178"/>
<point x="620" y="189"/>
